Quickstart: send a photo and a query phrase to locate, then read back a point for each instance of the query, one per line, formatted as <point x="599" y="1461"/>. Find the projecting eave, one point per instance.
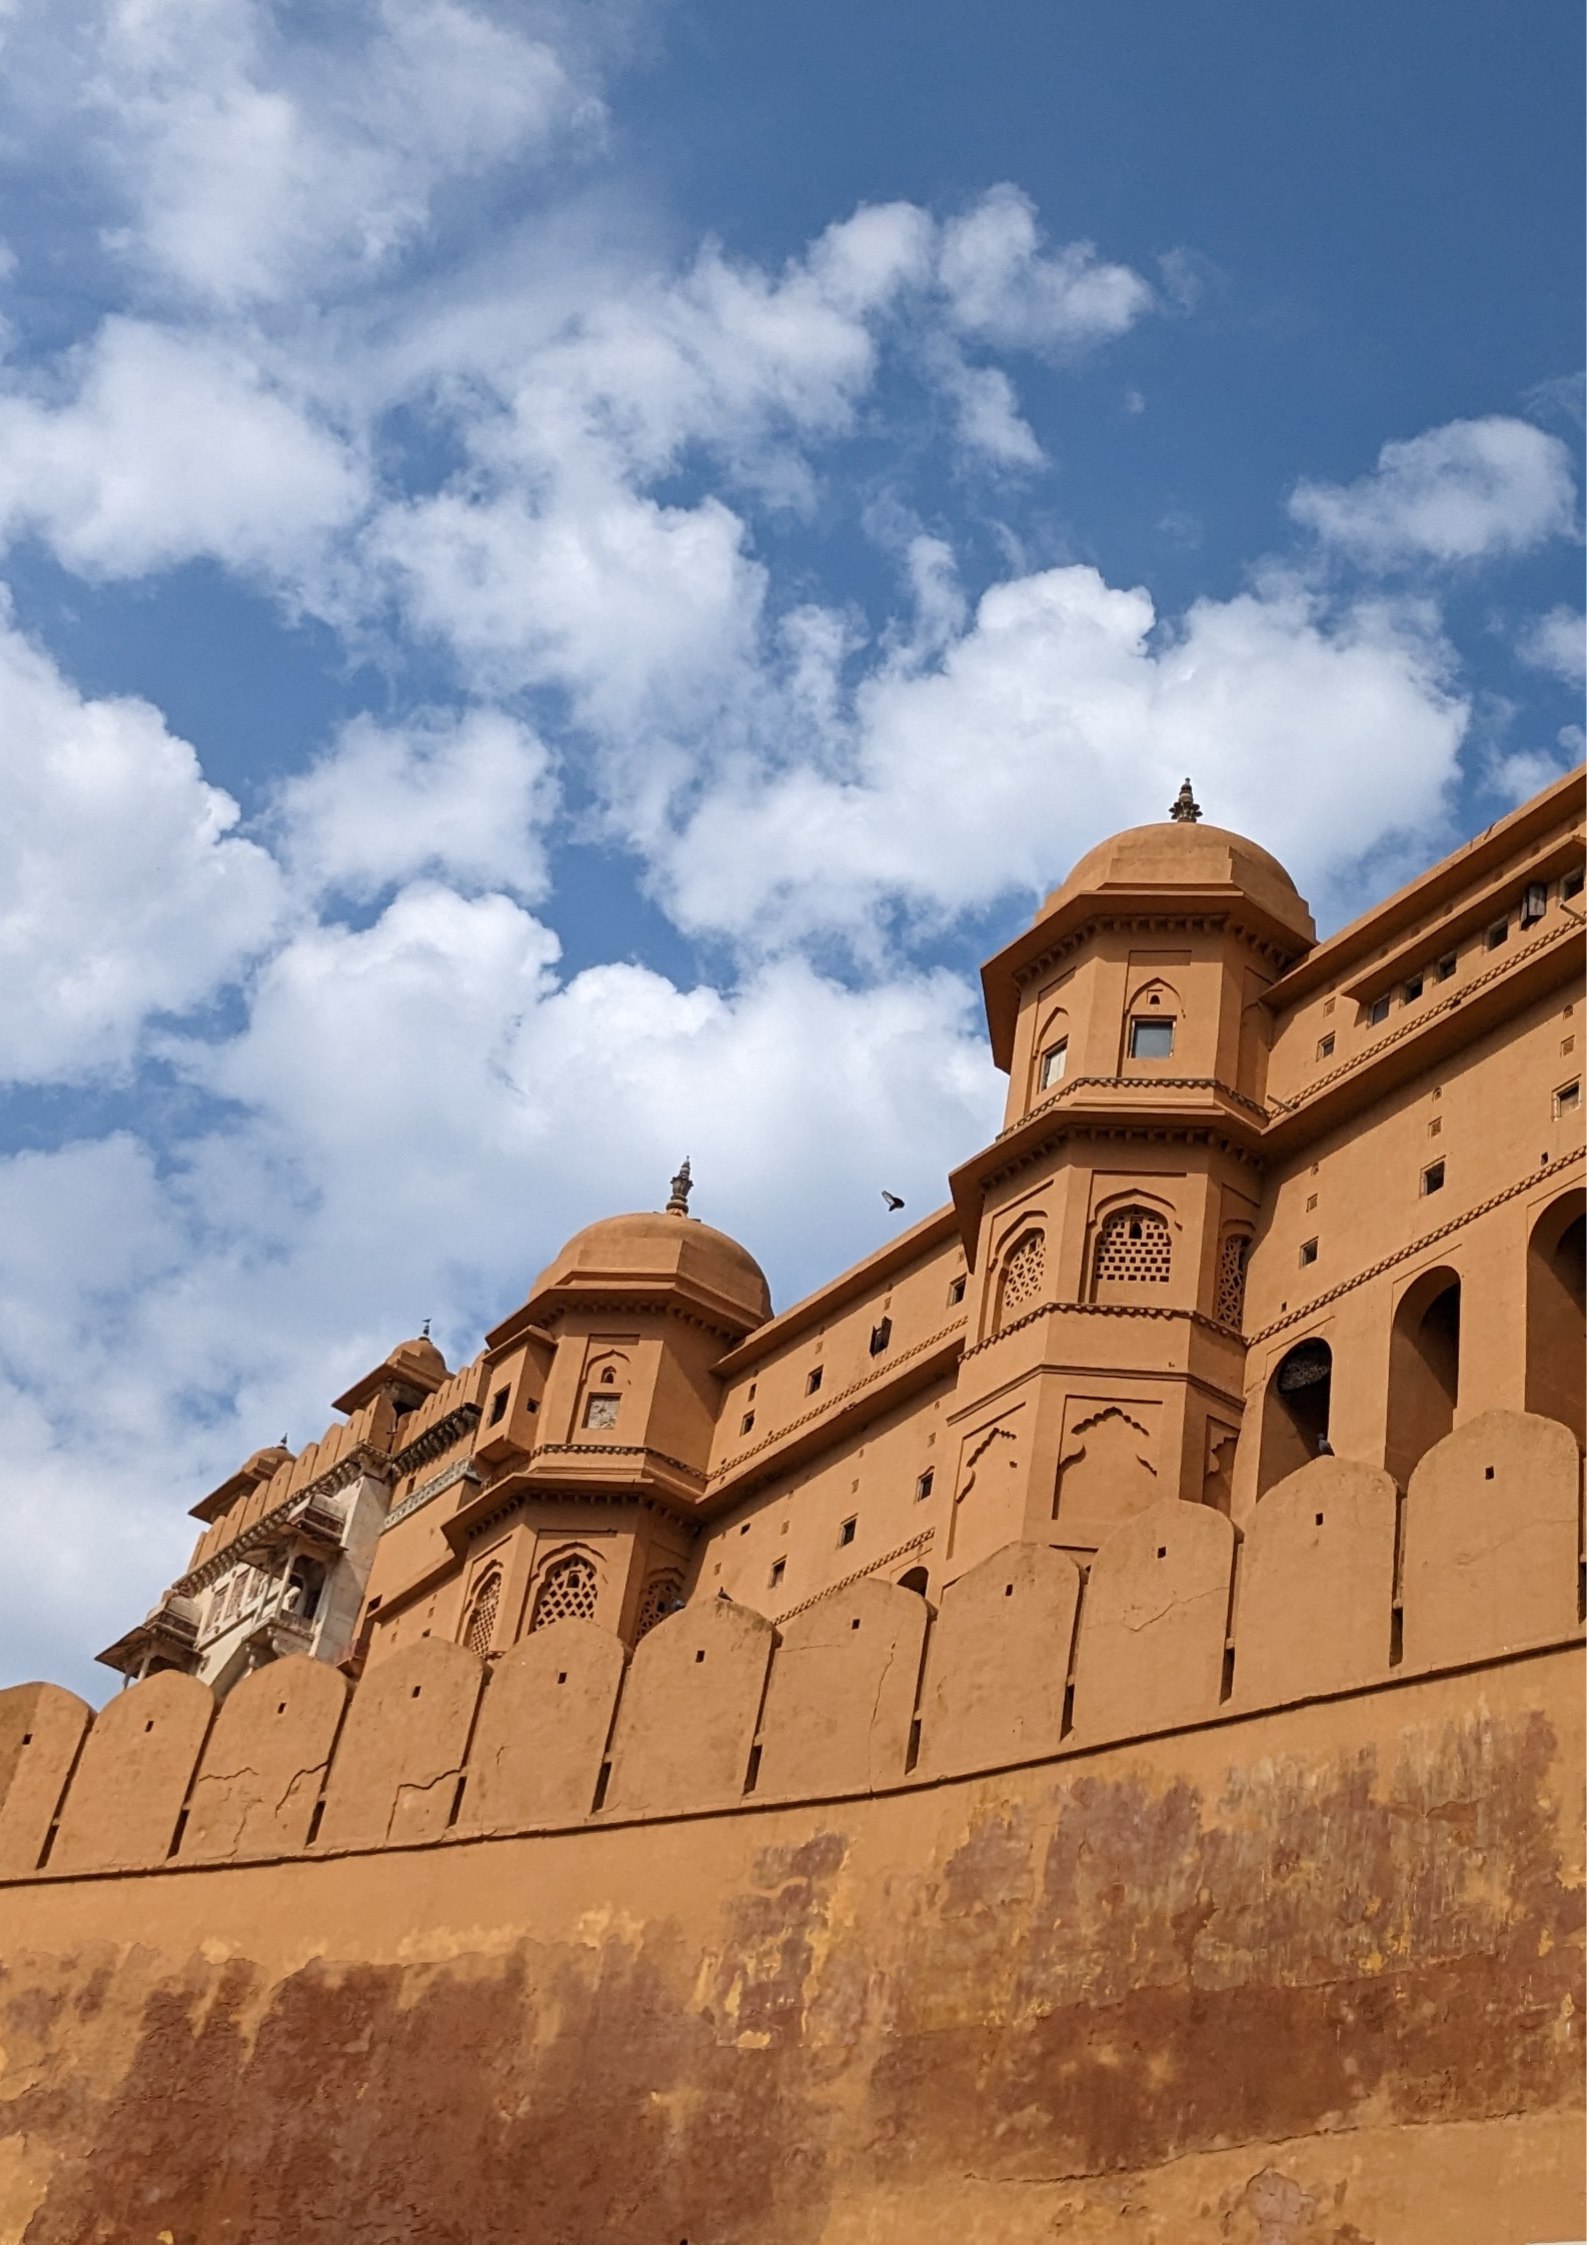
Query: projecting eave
<point x="1128" y="1109"/>
<point x="1004" y="976"/>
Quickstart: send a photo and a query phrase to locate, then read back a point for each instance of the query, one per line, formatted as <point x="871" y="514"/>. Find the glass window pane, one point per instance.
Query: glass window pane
<point x="1151" y="1040"/>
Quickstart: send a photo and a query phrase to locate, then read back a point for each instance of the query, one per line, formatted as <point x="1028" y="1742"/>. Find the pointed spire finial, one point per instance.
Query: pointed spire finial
<point x="1184" y="810"/>
<point x="682" y="1186"/>
<point x="425" y="1329"/>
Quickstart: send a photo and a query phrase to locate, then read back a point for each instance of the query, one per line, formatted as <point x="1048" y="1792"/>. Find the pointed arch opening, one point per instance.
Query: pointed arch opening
<point x="479" y="1633"/>
<point x="1022" y="1276"/>
<point x="1295" y="1411"/>
<point x="568" y="1591"/>
<point x="1424" y="1370"/>
<point x="1556" y="1313"/>
<point x="1132" y="1253"/>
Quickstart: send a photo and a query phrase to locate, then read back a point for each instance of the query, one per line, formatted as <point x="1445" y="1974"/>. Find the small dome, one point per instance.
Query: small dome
<point x="1180" y="854"/>
<point x="420" y="1356"/>
<point x="653" y="1247"/>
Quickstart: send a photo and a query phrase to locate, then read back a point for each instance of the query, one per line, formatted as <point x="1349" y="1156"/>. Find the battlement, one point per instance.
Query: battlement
<point x="1339" y="1584"/>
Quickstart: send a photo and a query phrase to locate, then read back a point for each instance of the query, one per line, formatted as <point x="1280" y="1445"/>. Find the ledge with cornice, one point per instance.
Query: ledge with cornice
<point x="272" y="1525"/>
<point x="557" y="1470"/>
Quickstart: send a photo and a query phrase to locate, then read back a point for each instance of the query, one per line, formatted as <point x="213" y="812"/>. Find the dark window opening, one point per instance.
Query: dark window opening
<point x="1325" y="1046"/>
<point x="498" y="1406"/>
<point x="1295" y="1412"/>
<point x="1378" y="1011"/>
<point x="779" y="1567"/>
<point x="1534" y="903"/>
<point x="1151" y="1040"/>
<point x="916" y="1579"/>
<point x="747" y="1423"/>
<point x="813" y="1380"/>
<point x="1424" y="1371"/>
<point x="1566" y="1100"/>
<point x="881" y="1334"/>
<point x="1412" y="990"/>
<point x="1445" y="967"/>
<point x="923" y="1485"/>
<point x="1308" y="1251"/>
<point x="1498" y="933"/>
<point x="956" y="1291"/>
<point x="1433" y="1177"/>
<point x="1572" y="884"/>
<point x="849" y="1529"/>
<point x="1556" y="1314"/>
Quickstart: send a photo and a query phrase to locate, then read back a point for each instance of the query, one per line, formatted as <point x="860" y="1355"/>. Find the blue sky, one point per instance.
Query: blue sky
<point x="571" y="570"/>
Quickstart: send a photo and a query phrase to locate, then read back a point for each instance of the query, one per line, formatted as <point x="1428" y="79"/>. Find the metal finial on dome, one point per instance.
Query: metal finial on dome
<point x="682" y="1186"/>
<point x="1184" y="810"/>
<point x="425" y="1329"/>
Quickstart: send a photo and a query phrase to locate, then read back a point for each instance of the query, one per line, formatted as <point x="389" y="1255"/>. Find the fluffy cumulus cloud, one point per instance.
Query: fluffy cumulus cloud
<point x="1066" y="706"/>
<point x="123" y="890"/>
<point x="1557" y="642"/>
<point x="461" y="797"/>
<point x="1461" y="493"/>
<point x="151" y="446"/>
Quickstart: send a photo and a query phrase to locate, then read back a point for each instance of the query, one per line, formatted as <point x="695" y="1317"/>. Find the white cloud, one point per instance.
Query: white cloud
<point x="252" y="161"/>
<point x="1004" y="289"/>
<point x="172" y="446"/>
<point x="1066" y="710"/>
<point x="1465" y="492"/>
<point x="465" y="797"/>
<point x="122" y="892"/>
<point x="1557" y="642"/>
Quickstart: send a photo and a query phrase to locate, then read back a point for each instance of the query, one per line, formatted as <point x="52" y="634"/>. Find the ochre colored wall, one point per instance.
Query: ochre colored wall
<point x="1304" y="1978"/>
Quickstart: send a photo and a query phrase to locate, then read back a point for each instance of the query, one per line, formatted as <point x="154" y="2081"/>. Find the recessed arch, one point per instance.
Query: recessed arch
<point x="917" y="1579"/>
<point x="567" y="1588"/>
<point x="1424" y="1369"/>
<point x="1296" y="1405"/>
<point x="484" y="1605"/>
<point x="1556" y="1313"/>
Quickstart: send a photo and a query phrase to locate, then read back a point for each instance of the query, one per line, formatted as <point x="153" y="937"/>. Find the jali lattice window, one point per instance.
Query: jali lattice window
<point x="1023" y="1277"/>
<point x="663" y="1595"/>
<point x="1132" y="1249"/>
<point x="482" y="1615"/>
<point x="567" y="1593"/>
<point x="1231" y="1278"/>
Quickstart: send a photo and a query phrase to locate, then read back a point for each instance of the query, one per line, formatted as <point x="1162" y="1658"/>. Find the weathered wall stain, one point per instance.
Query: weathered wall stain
<point x="956" y="2013"/>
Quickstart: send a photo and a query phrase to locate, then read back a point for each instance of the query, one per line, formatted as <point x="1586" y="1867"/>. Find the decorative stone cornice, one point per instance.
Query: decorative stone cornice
<point x="833" y="1403"/>
<point x="899" y="1551"/>
<point x="1067" y="1090"/>
<point x="461" y="1469"/>
<point x="358" y="1462"/>
<point x="1105" y="1309"/>
<point x="1420" y="1246"/>
<point x="435" y="1440"/>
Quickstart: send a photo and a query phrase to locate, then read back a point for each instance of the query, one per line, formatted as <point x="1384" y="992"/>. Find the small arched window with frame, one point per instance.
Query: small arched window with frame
<point x="485" y="1605"/>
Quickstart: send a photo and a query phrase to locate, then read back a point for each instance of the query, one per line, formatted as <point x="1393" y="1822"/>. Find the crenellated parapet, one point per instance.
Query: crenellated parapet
<point x="1340" y="1584"/>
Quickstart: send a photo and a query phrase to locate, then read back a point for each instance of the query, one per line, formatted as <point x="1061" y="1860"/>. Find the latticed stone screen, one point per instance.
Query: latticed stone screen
<point x="482" y="1618"/>
<point x="1132" y="1249"/>
<point x="662" y="1594"/>
<point x="1231" y="1278"/>
<point x="1024" y="1275"/>
<point x="567" y="1593"/>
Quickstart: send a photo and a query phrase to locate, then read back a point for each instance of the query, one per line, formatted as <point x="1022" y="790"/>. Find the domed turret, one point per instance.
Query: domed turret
<point x="650" y="1252"/>
<point x="1173" y="856"/>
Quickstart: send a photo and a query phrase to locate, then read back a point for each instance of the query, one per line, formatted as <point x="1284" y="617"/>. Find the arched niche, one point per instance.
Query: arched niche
<point x="1295" y="1411"/>
<point x="1556" y="1313"/>
<point x="1424" y="1369"/>
<point x="1130" y="1249"/>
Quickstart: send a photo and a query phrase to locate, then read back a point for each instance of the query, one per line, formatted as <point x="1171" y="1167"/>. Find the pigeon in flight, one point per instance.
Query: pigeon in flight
<point x="892" y="1200"/>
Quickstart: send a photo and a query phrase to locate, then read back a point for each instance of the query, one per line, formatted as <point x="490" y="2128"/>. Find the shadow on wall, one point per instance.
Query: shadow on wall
<point x="1339" y="1584"/>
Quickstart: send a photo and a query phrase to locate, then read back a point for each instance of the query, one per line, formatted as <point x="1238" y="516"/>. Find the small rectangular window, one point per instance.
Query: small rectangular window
<point x="1308" y="1252"/>
<point x="1445" y="967"/>
<point x="923" y="1485"/>
<point x="1433" y="1177"/>
<point x="601" y="1411"/>
<point x="956" y="1291"/>
<point x="1572" y="884"/>
<point x="1053" y="1063"/>
<point x="746" y="1424"/>
<point x="1567" y="1099"/>
<point x="1534" y="903"/>
<point x="498" y="1405"/>
<point x="779" y="1567"/>
<point x="1151" y="1040"/>
<point x="881" y="1334"/>
<point x="1325" y="1046"/>
<point x="1412" y="990"/>
<point x="1498" y="933"/>
<point x="847" y="1532"/>
<point x="1378" y="1010"/>
<point x="813" y="1379"/>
